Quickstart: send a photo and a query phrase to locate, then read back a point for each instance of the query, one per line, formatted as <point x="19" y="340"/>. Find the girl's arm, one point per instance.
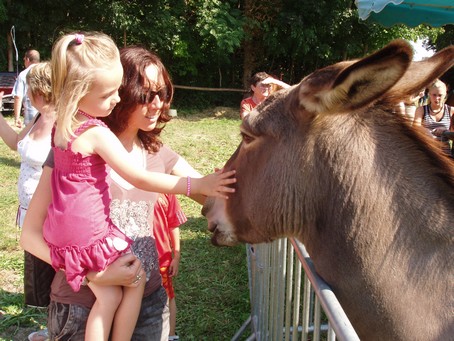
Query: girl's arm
<point x="103" y="142"/>
<point x="183" y="168"/>
<point x="9" y="135"/>
<point x="175" y="240"/>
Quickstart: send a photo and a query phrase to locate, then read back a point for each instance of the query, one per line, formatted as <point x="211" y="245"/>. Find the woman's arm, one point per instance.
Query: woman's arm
<point x="9" y="135"/>
<point x="272" y="80"/>
<point x="123" y="271"/>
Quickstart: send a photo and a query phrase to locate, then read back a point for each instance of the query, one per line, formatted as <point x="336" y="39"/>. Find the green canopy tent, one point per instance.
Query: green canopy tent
<point x="411" y="13"/>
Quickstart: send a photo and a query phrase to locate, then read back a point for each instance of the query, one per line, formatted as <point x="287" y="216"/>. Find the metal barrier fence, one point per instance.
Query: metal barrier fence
<point x="287" y="297"/>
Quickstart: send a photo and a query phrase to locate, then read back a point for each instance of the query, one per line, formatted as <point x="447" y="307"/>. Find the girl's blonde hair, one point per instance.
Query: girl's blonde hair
<point x="437" y="84"/>
<point x="39" y="81"/>
<point x="75" y="58"/>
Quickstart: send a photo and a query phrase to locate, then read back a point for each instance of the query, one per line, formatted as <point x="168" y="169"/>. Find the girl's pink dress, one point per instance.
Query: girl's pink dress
<point x="78" y="229"/>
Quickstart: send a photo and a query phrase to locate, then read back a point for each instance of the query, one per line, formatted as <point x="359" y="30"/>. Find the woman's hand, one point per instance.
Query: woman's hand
<point x="438" y="131"/>
<point x="272" y="80"/>
<point x="126" y="271"/>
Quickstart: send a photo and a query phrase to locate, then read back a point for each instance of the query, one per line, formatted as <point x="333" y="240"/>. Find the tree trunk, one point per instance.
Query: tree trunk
<point x="257" y="13"/>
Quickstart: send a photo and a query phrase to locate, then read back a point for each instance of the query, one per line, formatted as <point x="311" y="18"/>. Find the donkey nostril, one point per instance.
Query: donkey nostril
<point x="212" y="226"/>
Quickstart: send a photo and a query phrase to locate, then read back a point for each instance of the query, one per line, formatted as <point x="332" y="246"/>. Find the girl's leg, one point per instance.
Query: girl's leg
<point x="173" y="316"/>
<point x="102" y="313"/>
<point x="127" y="313"/>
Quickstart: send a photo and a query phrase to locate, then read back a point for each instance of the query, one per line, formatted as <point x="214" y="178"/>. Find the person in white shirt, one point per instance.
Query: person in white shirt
<point x="19" y="92"/>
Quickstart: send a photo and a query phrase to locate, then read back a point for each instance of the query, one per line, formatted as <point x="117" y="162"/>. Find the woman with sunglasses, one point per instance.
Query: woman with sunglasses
<point x="137" y="120"/>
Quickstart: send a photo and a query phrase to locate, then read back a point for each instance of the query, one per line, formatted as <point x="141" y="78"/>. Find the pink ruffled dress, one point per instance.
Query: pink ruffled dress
<point x="78" y="229"/>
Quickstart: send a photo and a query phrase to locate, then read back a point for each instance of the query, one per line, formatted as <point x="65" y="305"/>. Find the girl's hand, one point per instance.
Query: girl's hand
<point x="215" y="184"/>
<point x="173" y="267"/>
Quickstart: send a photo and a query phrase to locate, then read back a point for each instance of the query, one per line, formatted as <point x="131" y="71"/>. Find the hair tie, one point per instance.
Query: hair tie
<point x="79" y="38"/>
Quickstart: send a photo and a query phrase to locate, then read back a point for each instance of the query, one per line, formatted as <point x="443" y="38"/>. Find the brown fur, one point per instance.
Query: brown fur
<point x="372" y="198"/>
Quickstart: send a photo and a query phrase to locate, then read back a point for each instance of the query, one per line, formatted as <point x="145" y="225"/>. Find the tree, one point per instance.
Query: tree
<point x="214" y="43"/>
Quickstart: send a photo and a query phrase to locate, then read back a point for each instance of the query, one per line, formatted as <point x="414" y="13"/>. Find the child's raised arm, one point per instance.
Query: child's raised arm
<point x="103" y="142"/>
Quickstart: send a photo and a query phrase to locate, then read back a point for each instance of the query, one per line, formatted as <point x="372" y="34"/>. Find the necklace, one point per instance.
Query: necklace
<point x="83" y="113"/>
<point x="435" y="112"/>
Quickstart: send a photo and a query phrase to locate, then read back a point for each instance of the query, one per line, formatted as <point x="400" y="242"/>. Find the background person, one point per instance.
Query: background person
<point x="261" y="86"/>
<point x="168" y="216"/>
<point x="137" y="121"/>
<point x="435" y="116"/>
<point x="412" y="104"/>
<point x="33" y="145"/>
<point x="19" y="92"/>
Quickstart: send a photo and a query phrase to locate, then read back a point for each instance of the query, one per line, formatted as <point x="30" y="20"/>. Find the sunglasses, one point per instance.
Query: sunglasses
<point x="148" y="97"/>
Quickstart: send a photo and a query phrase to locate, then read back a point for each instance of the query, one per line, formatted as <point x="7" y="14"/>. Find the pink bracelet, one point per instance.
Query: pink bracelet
<point x="188" y="186"/>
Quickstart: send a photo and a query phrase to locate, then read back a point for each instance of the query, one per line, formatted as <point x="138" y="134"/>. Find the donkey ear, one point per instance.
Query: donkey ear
<point x="420" y="74"/>
<point x="366" y="80"/>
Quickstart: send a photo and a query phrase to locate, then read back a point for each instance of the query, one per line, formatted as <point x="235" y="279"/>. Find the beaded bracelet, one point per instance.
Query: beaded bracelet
<point x="188" y="186"/>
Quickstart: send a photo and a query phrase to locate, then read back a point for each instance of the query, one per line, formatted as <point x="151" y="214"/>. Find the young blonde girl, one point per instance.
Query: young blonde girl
<point x="86" y="75"/>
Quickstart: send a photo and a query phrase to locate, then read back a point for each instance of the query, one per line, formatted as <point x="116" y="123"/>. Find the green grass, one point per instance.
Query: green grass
<point x="212" y="286"/>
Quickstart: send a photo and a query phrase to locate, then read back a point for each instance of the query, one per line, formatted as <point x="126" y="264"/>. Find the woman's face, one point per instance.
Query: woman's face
<point x="145" y="116"/>
<point x="437" y="95"/>
<point x="35" y="100"/>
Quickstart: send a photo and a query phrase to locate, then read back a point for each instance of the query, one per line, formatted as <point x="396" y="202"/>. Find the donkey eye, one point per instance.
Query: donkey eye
<point x="246" y="138"/>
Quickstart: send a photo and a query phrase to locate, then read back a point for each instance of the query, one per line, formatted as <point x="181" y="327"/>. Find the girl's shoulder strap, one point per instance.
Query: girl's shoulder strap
<point x="88" y="123"/>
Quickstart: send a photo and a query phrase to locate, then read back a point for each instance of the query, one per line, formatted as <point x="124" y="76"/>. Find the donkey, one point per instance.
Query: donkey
<point x="371" y="197"/>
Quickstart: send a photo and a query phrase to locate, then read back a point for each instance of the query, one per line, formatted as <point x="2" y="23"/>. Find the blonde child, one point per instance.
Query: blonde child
<point x="168" y="216"/>
<point x="86" y="75"/>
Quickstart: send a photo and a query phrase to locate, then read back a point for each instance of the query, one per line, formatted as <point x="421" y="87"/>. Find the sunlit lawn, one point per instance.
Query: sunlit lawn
<point x="211" y="289"/>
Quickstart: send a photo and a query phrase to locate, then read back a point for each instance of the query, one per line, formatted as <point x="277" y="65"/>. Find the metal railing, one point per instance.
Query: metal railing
<point x="288" y="297"/>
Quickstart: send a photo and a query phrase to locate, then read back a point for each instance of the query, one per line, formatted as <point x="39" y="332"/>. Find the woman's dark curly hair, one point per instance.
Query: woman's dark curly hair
<point x="135" y="60"/>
